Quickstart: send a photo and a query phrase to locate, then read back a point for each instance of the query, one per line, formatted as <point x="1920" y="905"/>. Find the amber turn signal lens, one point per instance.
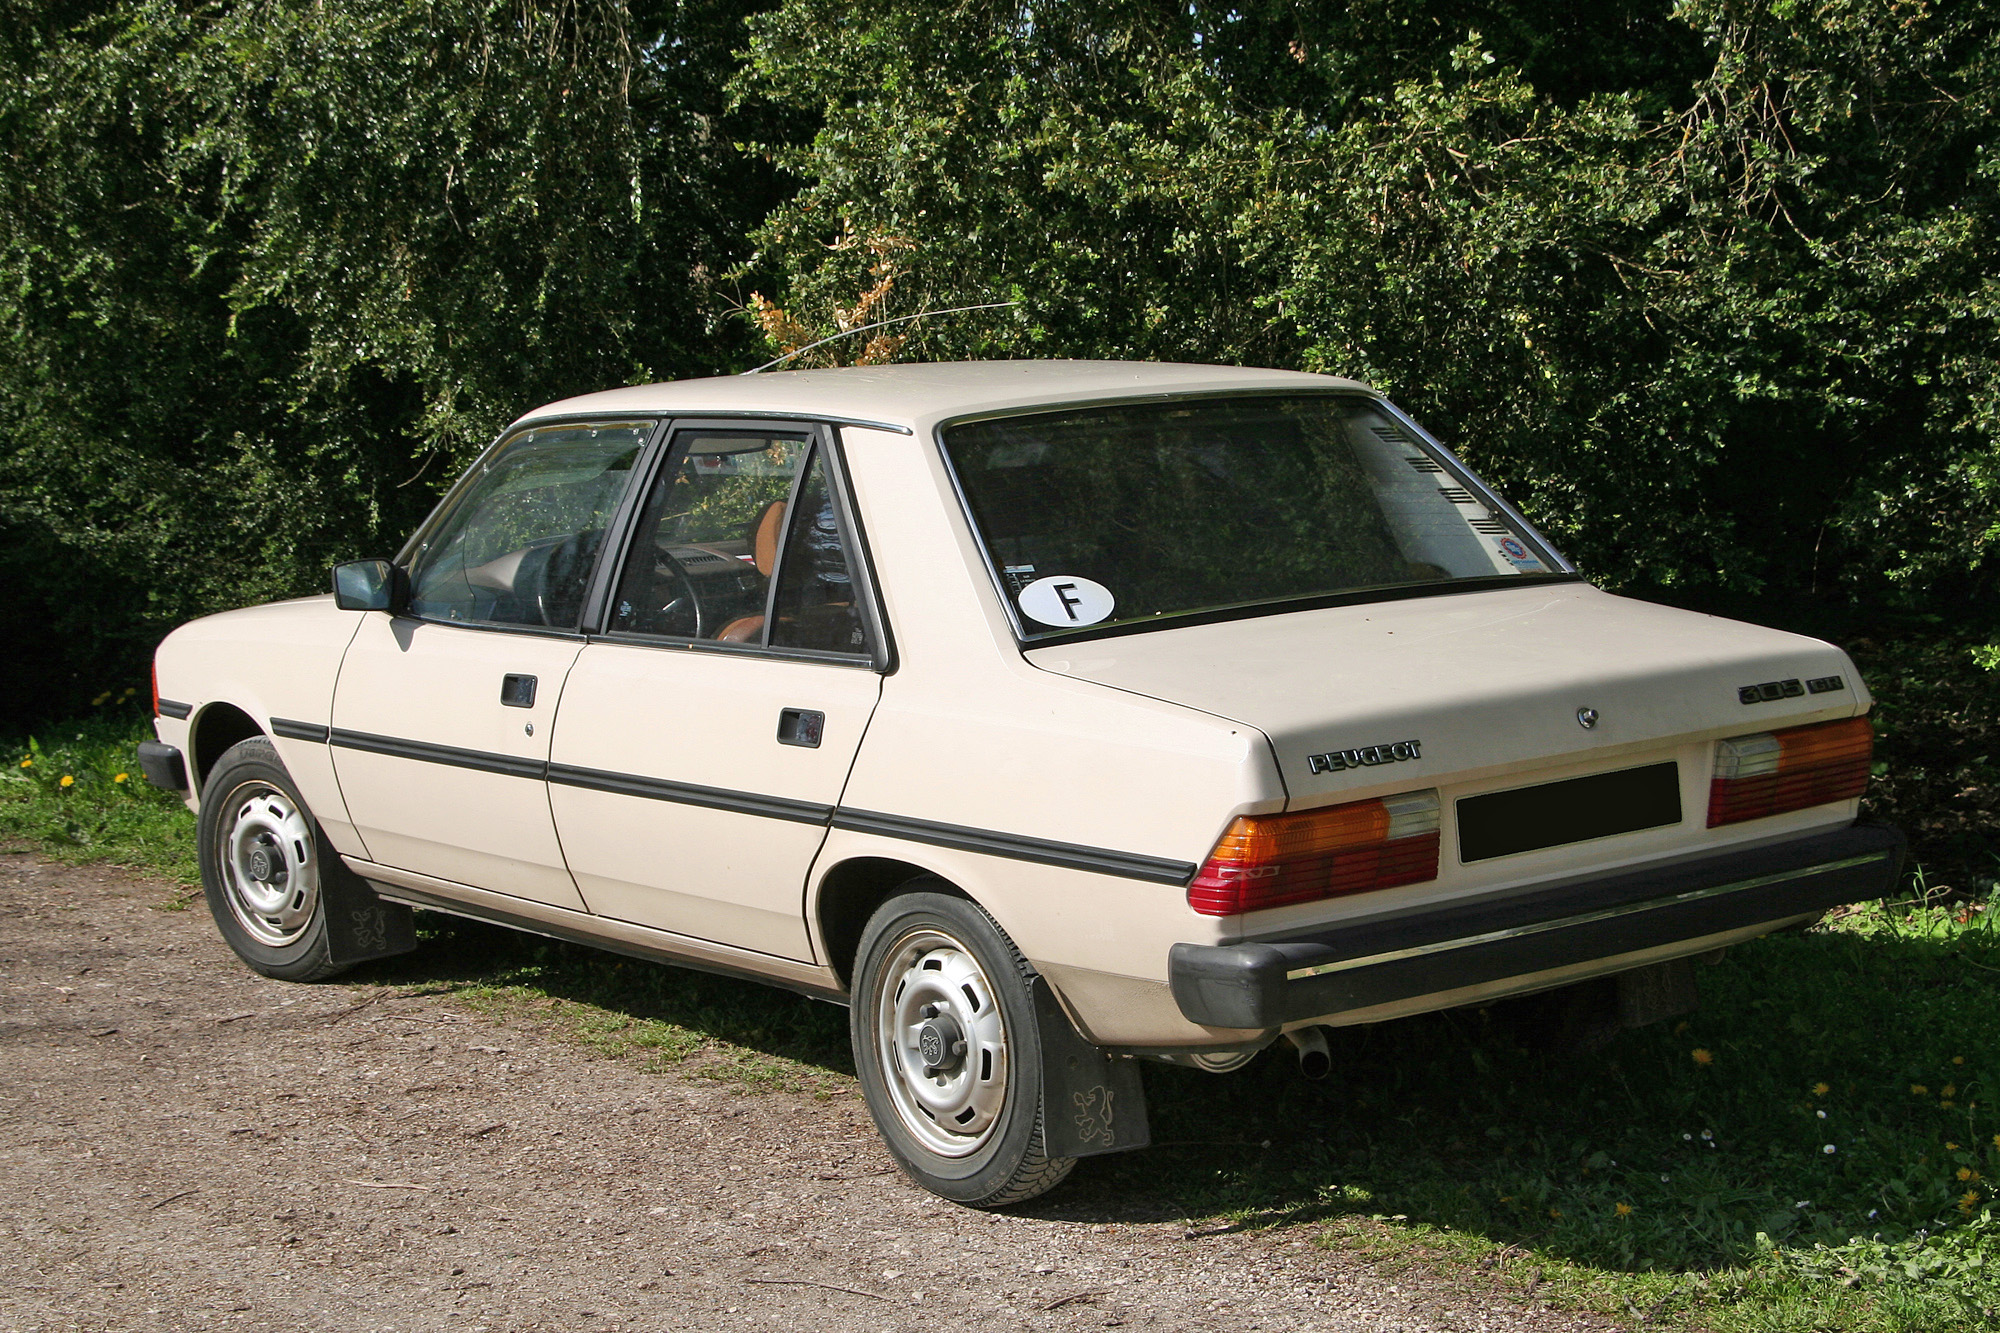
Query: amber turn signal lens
<point x="1275" y="860"/>
<point x="1771" y="772"/>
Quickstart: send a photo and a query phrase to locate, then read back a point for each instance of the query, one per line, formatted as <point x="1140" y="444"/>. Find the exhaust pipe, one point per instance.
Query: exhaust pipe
<point x="1315" y="1060"/>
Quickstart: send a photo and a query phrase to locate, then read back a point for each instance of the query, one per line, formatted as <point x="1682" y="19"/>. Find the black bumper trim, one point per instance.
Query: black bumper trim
<point x="175" y="709"/>
<point x="1266" y="983"/>
<point x="163" y="765"/>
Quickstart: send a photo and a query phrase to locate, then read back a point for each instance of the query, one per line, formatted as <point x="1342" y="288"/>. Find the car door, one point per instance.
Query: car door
<point x="442" y="717"/>
<point x="704" y="737"/>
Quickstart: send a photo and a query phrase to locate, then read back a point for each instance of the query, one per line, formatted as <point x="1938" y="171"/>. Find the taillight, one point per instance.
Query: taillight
<point x="1273" y="860"/>
<point x="156" y="689"/>
<point x="1795" y="769"/>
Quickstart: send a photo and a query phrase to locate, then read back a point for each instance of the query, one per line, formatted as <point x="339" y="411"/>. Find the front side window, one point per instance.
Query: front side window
<point x="516" y="545"/>
<point x="1112" y="515"/>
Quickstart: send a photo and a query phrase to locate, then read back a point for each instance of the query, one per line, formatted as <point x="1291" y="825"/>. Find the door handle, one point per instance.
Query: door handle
<point x="800" y="726"/>
<point x="517" y="691"/>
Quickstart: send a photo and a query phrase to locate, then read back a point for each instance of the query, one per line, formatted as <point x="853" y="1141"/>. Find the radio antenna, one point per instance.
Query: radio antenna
<point x="878" y="324"/>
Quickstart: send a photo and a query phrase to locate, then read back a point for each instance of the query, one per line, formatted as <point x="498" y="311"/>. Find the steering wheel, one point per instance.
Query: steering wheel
<point x="679" y="614"/>
<point x="548" y="577"/>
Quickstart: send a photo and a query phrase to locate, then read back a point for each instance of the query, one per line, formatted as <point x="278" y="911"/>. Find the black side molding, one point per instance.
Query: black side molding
<point x="1335" y="970"/>
<point x="175" y="709"/>
<point x="163" y="765"/>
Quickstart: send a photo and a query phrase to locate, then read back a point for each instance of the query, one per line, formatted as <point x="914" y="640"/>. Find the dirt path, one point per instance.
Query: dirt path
<point x="185" y="1145"/>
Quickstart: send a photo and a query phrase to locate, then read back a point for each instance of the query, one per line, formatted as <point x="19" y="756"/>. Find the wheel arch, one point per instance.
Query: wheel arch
<point x="851" y="892"/>
<point x="214" y="729"/>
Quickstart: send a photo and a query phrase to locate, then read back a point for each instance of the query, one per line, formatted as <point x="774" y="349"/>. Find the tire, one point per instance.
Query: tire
<point x="253" y="823"/>
<point x="948" y="1050"/>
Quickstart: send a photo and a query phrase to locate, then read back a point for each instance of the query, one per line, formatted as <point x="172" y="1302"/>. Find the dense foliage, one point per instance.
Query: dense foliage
<point x="1707" y="285"/>
<point x="270" y="272"/>
<point x="1708" y="289"/>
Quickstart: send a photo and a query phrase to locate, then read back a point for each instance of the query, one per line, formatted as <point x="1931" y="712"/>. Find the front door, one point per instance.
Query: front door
<point x="442" y="718"/>
<point x="704" y="739"/>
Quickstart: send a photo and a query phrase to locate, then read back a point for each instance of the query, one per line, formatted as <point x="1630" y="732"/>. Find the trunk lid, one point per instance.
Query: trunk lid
<point x="1361" y="700"/>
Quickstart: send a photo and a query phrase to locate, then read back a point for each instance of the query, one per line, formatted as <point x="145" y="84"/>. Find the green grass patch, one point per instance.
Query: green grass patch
<point x="1815" y="1149"/>
<point x="75" y="791"/>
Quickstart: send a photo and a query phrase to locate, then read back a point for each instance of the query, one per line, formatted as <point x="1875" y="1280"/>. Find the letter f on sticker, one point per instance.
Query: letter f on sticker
<point x="1066" y="594"/>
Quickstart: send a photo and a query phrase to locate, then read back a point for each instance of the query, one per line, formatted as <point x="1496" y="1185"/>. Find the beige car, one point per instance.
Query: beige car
<point x="1050" y="715"/>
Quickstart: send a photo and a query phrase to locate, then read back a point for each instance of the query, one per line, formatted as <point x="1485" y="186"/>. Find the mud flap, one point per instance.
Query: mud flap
<point x="1092" y="1103"/>
<point x="359" y="925"/>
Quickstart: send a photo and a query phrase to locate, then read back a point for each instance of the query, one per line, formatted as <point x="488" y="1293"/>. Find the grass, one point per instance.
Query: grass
<point x="1816" y="1149"/>
<point x="76" y="792"/>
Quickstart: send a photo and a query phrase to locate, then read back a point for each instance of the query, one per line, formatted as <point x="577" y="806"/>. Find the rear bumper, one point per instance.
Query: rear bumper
<point x="1335" y="970"/>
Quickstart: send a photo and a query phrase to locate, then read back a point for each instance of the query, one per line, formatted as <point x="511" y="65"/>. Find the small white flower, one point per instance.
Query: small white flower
<point x="1664" y="1178"/>
<point x="1687" y="1138"/>
<point x="1829" y="1149"/>
<point x="1803" y="1203"/>
<point x="1873" y="1213"/>
<point x="1820" y="1114"/>
<point x="1708" y="1136"/>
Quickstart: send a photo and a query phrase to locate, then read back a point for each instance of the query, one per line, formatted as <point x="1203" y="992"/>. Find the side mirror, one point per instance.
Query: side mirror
<point x="370" y="585"/>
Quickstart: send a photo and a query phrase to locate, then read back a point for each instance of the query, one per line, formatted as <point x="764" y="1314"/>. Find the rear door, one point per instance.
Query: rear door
<point x="705" y="736"/>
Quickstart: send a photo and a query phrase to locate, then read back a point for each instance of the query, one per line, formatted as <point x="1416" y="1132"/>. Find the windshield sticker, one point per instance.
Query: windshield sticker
<point x="1066" y="601"/>
<point x="1519" y="556"/>
<point x="1019" y="577"/>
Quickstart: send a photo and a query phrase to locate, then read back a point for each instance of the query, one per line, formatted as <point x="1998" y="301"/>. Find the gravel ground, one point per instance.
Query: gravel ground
<point x="186" y="1145"/>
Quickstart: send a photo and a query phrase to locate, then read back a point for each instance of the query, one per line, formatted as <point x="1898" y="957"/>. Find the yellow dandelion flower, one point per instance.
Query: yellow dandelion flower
<point x="1556" y="1213"/>
<point x="1958" y="1059"/>
<point x="67" y="781"/>
<point x="1965" y="1173"/>
<point x="28" y="763"/>
<point x="1966" y="1200"/>
<point x="1624" y="1209"/>
<point x="120" y="777"/>
<point x="1951" y="1147"/>
<point x="1996" y="1140"/>
<point x="1946" y="1104"/>
<point x="1919" y="1090"/>
<point x="1948" y="1090"/>
<point x="1821" y="1089"/>
<point x="1702" y="1056"/>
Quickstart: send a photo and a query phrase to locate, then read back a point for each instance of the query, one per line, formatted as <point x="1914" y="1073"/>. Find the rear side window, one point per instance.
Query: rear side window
<point x="1113" y="515"/>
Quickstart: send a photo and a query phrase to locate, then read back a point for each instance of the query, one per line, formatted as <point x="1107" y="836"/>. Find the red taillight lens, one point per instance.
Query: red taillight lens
<point x="1275" y="860"/>
<point x="1775" y="771"/>
<point x="156" y="689"/>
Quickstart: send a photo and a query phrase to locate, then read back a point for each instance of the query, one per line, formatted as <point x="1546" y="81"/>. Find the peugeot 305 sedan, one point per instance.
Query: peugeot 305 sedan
<point x="1050" y="715"/>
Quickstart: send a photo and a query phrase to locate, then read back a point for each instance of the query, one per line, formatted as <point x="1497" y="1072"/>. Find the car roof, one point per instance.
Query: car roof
<point x="914" y="397"/>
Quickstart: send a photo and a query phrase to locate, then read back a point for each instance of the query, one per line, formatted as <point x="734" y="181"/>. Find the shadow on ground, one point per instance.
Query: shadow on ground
<point x="1832" y="1085"/>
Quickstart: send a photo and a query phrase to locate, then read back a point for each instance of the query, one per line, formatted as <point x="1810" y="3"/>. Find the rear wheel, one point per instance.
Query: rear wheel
<point x="265" y="866"/>
<point x="948" y="1051"/>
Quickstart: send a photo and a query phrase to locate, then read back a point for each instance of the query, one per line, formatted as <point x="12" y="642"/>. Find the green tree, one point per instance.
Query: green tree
<point x="270" y="273"/>
<point x="1705" y="287"/>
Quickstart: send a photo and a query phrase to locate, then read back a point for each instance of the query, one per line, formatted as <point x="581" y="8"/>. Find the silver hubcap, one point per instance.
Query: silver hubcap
<point x="269" y="874"/>
<point x="942" y="1042"/>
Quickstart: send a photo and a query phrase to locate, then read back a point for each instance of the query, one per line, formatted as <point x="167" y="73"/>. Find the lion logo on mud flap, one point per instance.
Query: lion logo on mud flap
<point x="1094" y="1115"/>
<point x="371" y="930"/>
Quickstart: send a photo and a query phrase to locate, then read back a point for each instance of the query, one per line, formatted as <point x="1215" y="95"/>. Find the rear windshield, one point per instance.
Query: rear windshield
<point x="1113" y="515"/>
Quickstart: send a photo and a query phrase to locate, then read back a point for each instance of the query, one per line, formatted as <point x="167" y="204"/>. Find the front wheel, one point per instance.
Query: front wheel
<point x="948" y="1051"/>
<point x="265" y="867"/>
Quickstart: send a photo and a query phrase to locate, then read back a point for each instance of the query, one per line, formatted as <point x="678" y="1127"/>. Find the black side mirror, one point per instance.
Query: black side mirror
<point x="370" y="585"/>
